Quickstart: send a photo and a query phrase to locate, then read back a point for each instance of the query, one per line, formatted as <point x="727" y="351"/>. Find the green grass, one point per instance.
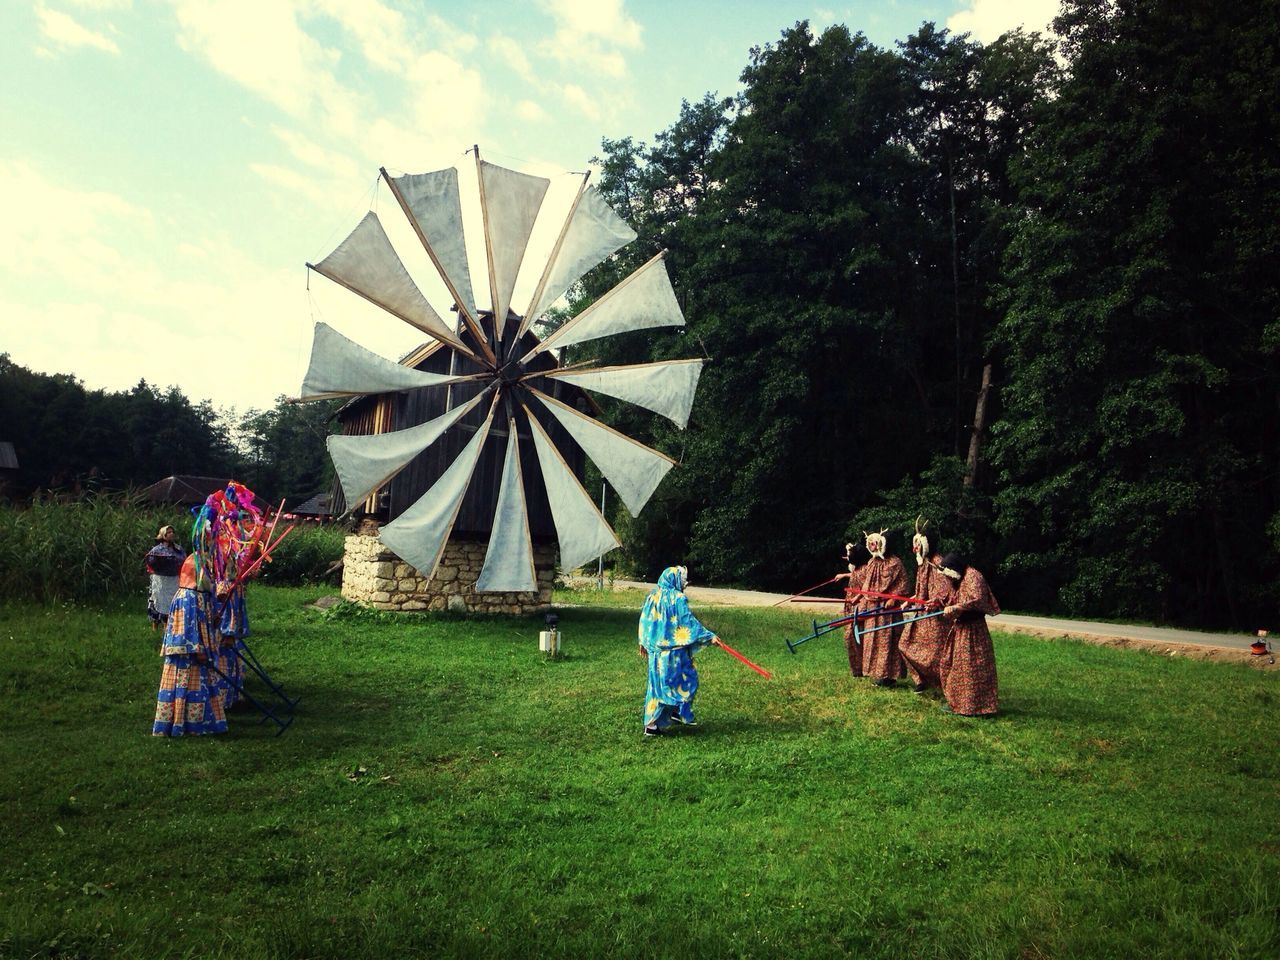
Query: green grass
<point x="444" y="791"/>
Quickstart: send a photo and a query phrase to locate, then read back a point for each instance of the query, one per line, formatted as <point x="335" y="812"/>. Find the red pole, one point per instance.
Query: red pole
<point x="734" y="653"/>
<point x="814" y="587"/>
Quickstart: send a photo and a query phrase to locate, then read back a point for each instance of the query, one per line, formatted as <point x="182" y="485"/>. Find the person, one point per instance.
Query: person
<point x="163" y="561"/>
<point x="188" y="703"/>
<point x="856" y="557"/>
<point x="669" y="635"/>
<point x="923" y="640"/>
<point x="882" y="574"/>
<point x="233" y="623"/>
<point x="968" y="663"/>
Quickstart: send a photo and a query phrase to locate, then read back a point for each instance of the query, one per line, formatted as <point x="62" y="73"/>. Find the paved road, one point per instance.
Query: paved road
<point x="1232" y="646"/>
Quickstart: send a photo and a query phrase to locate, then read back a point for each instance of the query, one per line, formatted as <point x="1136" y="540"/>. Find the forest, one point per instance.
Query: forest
<point x="1026" y="289"/>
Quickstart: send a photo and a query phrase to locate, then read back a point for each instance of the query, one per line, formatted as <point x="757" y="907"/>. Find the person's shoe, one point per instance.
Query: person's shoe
<point x="920" y="688"/>
<point x="885" y="683"/>
<point x="652" y="732"/>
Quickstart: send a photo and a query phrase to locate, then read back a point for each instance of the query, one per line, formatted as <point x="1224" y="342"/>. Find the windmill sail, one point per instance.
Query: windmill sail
<point x="364" y="463"/>
<point x="508" y="563"/>
<point x="583" y="533"/>
<point x="340" y="367"/>
<point x="418" y="535"/>
<point x="509" y="202"/>
<point x="645" y="299"/>
<point x="633" y="469"/>
<point x="367" y="264"/>
<point x="665" y="387"/>
<point x="592" y="233"/>
<point x="435" y="206"/>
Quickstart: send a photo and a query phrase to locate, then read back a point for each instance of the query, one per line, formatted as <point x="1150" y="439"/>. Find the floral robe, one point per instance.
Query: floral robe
<point x="189" y="702"/>
<point x="923" y="641"/>
<point x="968" y="664"/>
<point x="670" y="634"/>
<point x="880" y="659"/>
<point x="851" y="601"/>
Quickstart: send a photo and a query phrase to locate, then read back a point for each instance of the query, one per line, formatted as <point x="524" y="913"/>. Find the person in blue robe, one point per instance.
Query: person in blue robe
<point x="669" y="636"/>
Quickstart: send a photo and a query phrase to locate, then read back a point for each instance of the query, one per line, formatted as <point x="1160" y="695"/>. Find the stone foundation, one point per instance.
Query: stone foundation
<point x="373" y="575"/>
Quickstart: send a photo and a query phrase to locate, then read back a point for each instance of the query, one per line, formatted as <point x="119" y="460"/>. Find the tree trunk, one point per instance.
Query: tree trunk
<point x="979" y="422"/>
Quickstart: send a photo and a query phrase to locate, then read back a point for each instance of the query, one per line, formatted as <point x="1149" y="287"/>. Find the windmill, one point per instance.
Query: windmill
<point x="501" y="378"/>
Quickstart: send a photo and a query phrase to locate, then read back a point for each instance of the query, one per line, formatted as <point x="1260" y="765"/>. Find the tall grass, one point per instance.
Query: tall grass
<point x="91" y="550"/>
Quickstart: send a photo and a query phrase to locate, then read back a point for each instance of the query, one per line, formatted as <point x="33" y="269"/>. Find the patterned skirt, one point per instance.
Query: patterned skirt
<point x="160" y="597"/>
<point x="922" y="645"/>
<point x="231" y="679"/>
<point x="235" y="616"/>
<point x="880" y="658"/>
<point x="854" y="650"/>
<point x="968" y="668"/>
<point x="188" y="704"/>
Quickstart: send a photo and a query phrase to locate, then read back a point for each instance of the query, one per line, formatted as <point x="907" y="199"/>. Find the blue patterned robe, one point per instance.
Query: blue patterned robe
<point x="670" y="634"/>
<point x="189" y="701"/>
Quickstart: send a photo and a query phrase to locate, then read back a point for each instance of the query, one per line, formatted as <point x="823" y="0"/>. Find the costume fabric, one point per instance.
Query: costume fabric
<point x="851" y="605"/>
<point x="232" y="629"/>
<point x="670" y="634"/>
<point x="188" y="703"/>
<point x="163" y="562"/>
<point x="968" y="664"/>
<point x="880" y="659"/>
<point x="923" y="641"/>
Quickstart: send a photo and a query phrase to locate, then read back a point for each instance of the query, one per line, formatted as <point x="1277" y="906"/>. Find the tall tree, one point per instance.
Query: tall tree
<point x="1138" y="444"/>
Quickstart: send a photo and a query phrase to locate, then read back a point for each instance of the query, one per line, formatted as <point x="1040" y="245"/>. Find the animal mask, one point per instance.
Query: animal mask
<point x="920" y="543"/>
<point x="876" y="543"/>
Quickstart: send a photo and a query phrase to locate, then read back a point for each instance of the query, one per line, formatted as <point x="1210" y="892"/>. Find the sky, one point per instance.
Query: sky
<point x="168" y="167"/>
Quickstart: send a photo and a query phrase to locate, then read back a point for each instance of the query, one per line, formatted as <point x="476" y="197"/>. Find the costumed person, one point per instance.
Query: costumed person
<point x="968" y="664"/>
<point x="233" y="625"/>
<point x="188" y="703"/>
<point x="669" y="635"/>
<point x="923" y="641"/>
<point x="163" y="561"/>
<point x="882" y="574"/>
<point x="856" y="557"/>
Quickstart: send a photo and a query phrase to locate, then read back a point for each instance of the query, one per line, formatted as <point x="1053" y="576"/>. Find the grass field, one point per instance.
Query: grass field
<point x="445" y="791"/>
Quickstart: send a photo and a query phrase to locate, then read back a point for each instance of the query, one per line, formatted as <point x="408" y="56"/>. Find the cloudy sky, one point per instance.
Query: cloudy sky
<point x="167" y="168"/>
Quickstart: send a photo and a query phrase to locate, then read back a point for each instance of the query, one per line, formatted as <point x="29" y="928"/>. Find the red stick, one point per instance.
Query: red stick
<point x="734" y="653"/>
<point x="266" y="552"/>
<point x="814" y="587"/>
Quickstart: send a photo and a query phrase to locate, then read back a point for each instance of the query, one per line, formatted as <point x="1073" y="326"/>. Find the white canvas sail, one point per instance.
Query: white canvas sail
<point x="593" y="233"/>
<point x="666" y="387"/>
<point x="340" y="367"/>
<point x="509" y="202"/>
<point x="365" y="463"/>
<point x="633" y="469"/>
<point x="418" y="535"/>
<point x="645" y="299"/>
<point x="508" y="563"/>
<point x="367" y="264"/>
<point x="582" y="532"/>
<point x="435" y="206"/>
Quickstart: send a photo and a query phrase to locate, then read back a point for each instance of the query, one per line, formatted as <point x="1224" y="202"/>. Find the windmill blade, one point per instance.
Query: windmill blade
<point x="366" y="263"/>
<point x="508" y="563"/>
<point x="665" y="387"/>
<point x="591" y="233"/>
<point x="582" y="531"/>
<point x="418" y="535"/>
<point x="365" y="463"/>
<point x="340" y="367"/>
<point x="433" y="205"/>
<point x="645" y="299"/>
<point x="633" y="469"/>
<point x="509" y="203"/>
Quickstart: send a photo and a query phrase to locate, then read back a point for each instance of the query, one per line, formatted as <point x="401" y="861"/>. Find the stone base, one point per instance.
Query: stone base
<point x="373" y="575"/>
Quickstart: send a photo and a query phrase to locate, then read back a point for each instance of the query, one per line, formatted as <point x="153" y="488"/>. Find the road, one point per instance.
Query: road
<point x="1226" y="647"/>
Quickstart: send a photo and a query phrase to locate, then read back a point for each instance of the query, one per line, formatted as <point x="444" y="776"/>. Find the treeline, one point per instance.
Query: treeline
<point x="72" y="441"/>
<point x="1029" y="292"/>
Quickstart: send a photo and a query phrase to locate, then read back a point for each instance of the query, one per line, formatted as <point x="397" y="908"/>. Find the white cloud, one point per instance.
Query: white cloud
<point x="65" y="32"/>
<point x="528" y="110"/>
<point x="591" y="35"/>
<point x="581" y="100"/>
<point x="986" y="20"/>
<point x="513" y="55"/>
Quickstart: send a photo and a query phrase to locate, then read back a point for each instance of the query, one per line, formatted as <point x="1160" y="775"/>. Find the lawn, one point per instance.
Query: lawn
<point x="446" y="791"/>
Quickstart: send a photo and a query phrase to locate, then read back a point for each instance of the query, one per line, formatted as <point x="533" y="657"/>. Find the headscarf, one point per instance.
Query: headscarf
<point x="666" y="622"/>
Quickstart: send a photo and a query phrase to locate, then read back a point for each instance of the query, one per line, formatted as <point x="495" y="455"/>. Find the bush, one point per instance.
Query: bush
<point x="92" y="550"/>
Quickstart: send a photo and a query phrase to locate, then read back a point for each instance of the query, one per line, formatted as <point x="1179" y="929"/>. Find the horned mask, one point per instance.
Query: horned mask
<point x="876" y="543"/>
